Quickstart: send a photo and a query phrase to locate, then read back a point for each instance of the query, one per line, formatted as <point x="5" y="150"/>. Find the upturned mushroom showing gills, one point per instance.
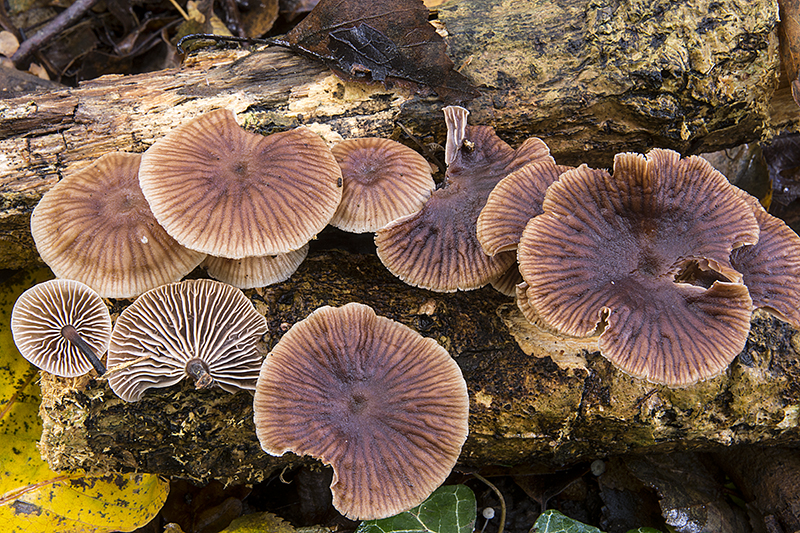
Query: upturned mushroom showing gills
<point x="383" y="180"/>
<point x="224" y="191"/>
<point x="62" y="326"/>
<point x="437" y="247"/>
<point x="384" y="406"/>
<point x="644" y="257"/>
<point x="199" y="328"/>
<point x="95" y="226"/>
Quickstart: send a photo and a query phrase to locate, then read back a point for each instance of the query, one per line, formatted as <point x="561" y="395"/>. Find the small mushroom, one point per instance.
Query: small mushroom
<point x="512" y="203"/>
<point x="62" y="326"/>
<point x="95" y="226"/>
<point x="201" y="328"/>
<point x="384" y="406"/>
<point x="437" y="247"/>
<point x="383" y="180"/>
<point x="508" y="281"/>
<point x="224" y="191"/>
<point x="251" y="272"/>
<point x="643" y="255"/>
<point x="771" y="268"/>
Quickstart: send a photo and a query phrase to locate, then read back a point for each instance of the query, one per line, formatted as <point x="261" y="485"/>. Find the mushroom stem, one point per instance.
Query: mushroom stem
<point x="72" y="335"/>
<point x="198" y="371"/>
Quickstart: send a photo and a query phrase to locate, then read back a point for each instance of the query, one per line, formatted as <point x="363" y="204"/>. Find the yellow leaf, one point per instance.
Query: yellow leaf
<point x="33" y="498"/>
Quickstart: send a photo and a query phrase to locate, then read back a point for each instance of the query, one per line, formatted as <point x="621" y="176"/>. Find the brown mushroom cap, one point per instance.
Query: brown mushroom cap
<point x="95" y="226"/>
<point x="515" y="200"/>
<point x="182" y="322"/>
<point x="41" y="313"/>
<point x="224" y="191"/>
<point x="437" y="247"/>
<point x="508" y="281"/>
<point x="251" y="272"/>
<point x="645" y="253"/>
<point x="771" y="268"/>
<point x="383" y="180"/>
<point x="384" y="406"/>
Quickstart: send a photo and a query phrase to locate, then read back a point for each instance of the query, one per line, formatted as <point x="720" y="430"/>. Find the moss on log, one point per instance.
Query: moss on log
<point x="559" y="403"/>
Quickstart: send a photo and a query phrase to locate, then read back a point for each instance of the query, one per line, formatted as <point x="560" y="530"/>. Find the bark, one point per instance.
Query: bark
<point x="591" y="77"/>
<point x="543" y="402"/>
<point x="768" y="480"/>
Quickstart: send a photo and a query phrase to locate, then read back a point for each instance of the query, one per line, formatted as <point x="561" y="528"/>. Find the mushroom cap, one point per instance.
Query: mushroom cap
<point x="95" y="226"/>
<point x="771" y="268"/>
<point x="644" y="253"/>
<point x="508" y="281"/>
<point x="385" y="407"/>
<point x="176" y="323"/>
<point x="383" y="180"/>
<point x="224" y="191"/>
<point x="42" y="311"/>
<point x="515" y="200"/>
<point x="437" y="248"/>
<point x="251" y="272"/>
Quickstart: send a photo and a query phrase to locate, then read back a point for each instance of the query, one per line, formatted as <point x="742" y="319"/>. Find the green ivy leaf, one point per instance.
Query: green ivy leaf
<point x="450" y="509"/>
<point x="554" y="522"/>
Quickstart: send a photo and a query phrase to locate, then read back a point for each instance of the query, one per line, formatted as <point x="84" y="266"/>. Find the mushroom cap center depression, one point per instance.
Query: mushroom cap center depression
<point x="357" y="402"/>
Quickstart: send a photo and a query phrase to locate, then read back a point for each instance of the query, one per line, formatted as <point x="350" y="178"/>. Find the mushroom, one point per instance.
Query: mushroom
<point x="384" y="406"/>
<point x="201" y="328"/>
<point x="62" y="326"/>
<point x="383" y="180"/>
<point x="224" y="191"/>
<point x="508" y="281"/>
<point x="95" y="226"/>
<point x="771" y="268"/>
<point x="251" y="272"/>
<point x="643" y="256"/>
<point x="437" y="247"/>
<point x="515" y="200"/>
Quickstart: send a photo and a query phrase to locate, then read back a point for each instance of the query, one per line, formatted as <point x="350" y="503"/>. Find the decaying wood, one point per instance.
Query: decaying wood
<point x="535" y="399"/>
<point x="591" y="78"/>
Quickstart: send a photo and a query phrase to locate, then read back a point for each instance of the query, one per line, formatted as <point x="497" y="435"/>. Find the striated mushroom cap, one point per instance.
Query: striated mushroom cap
<point x="644" y="254"/>
<point x="437" y="247"/>
<point x="209" y="324"/>
<point x="251" y="272"/>
<point x="384" y="406"/>
<point x="95" y="227"/>
<point x="221" y="190"/>
<point x="43" y="311"/>
<point x="515" y="200"/>
<point x="771" y="268"/>
<point x="383" y="180"/>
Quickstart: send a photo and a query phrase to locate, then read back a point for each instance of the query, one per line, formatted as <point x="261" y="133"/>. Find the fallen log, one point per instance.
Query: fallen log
<point x="592" y="78"/>
<point x="535" y="398"/>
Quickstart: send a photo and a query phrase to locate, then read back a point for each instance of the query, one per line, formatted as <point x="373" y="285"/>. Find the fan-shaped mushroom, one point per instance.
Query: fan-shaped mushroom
<point x="645" y="254"/>
<point x="95" y="226"/>
<point x="437" y="247"/>
<point x="771" y="268"/>
<point x="384" y="406"/>
<point x="62" y="326"/>
<point x="224" y="191"/>
<point x="201" y="328"/>
<point x="515" y="200"/>
<point x="383" y="180"/>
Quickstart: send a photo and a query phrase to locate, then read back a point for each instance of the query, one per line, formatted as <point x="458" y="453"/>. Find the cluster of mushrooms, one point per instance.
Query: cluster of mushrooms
<point x="663" y="259"/>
